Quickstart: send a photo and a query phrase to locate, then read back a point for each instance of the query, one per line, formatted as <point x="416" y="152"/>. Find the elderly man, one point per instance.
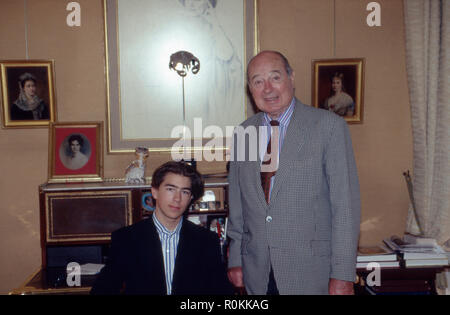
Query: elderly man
<point x="295" y="208"/>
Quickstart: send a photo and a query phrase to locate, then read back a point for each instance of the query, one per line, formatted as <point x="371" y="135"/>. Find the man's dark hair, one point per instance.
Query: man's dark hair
<point x="183" y="169"/>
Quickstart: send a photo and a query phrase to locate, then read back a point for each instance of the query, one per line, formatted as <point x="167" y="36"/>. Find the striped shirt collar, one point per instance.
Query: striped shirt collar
<point x="162" y="230"/>
<point x="284" y="118"/>
<point x="169" y="246"/>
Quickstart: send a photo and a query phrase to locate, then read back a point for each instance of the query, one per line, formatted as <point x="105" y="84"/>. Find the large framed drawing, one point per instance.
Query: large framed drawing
<point x="338" y="86"/>
<point x="28" y="93"/>
<point x="146" y="99"/>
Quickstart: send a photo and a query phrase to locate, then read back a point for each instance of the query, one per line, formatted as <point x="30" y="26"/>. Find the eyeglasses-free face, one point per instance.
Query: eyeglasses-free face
<point x="173" y="196"/>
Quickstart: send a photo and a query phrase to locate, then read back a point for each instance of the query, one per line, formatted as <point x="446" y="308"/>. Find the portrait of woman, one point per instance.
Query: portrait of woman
<point x="27" y="92"/>
<point x="338" y="86"/>
<point x="28" y="105"/>
<point x="339" y="101"/>
<point x="75" y="152"/>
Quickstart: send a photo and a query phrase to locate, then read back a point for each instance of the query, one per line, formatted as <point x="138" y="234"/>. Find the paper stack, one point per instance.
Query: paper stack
<point x="418" y="252"/>
<point x="91" y="269"/>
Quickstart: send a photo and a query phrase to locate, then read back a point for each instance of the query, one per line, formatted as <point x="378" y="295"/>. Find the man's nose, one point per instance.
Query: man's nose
<point x="267" y="86"/>
<point x="177" y="195"/>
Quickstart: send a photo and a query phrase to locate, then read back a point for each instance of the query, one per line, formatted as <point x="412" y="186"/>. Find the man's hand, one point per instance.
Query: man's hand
<point x="340" y="287"/>
<point x="235" y="276"/>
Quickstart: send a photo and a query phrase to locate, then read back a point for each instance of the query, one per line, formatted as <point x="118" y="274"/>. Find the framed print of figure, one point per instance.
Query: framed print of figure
<point x="151" y="105"/>
<point x="76" y="152"/>
<point x="338" y="86"/>
<point x="147" y="203"/>
<point x="28" y="94"/>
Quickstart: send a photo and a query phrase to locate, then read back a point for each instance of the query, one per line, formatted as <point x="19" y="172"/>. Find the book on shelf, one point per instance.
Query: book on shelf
<point x="375" y="254"/>
<point x="428" y="255"/>
<point x="425" y="262"/>
<point x="381" y="264"/>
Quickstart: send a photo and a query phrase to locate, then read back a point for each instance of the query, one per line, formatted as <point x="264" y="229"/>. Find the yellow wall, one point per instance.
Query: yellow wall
<point x="302" y="29"/>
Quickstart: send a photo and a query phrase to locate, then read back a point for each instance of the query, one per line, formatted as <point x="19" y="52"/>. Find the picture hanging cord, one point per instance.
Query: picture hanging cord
<point x="26" y="28"/>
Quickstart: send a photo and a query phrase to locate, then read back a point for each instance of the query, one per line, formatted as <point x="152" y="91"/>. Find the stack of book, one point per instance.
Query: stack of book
<point x="381" y="255"/>
<point x="417" y="251"/>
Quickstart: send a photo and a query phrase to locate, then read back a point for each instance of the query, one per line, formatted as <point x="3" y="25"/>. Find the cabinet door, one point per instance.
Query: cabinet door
<point x="86" y="215"/>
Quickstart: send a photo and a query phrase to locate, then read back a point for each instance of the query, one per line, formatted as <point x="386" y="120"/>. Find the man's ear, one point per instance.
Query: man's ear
<point x="155" y="193"/>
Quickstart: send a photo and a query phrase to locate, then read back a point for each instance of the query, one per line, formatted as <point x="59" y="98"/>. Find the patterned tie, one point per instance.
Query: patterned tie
<point x="269" y="164"/>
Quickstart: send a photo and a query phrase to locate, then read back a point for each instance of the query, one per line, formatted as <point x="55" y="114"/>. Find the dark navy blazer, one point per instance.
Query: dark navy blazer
<point x="135" y="264"/>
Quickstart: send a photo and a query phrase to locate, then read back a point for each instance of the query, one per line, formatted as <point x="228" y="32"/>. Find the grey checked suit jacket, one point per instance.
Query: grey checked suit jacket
<point x="312" y="231"/>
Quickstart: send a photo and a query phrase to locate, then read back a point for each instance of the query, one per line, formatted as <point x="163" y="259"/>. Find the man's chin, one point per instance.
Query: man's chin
<point x="274" y="112"/>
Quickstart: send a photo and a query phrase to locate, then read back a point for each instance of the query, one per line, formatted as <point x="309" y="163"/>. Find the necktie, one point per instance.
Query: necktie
<point x="269" y="164"/>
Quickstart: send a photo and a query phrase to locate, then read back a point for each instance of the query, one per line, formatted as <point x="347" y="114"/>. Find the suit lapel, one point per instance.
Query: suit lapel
<point x="293" y="142"/>
<point x="151" y="257"/>
<point x="185" y="252"/>
<point x="256" y="165"/>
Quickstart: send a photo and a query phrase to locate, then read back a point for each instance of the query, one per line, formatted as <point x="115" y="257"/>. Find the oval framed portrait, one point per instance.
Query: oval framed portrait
<point x="75" y="151"/>
<point x="147" y="201"/>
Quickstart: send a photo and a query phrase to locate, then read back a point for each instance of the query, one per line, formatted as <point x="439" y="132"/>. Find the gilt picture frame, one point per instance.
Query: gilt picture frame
<point x="27" y="93"/>
<point x="75" y="152"/>
<point x="338" y="86"/>
<point x="146" y="107"/>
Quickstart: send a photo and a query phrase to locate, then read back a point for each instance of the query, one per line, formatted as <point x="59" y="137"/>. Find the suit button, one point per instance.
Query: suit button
<point x="268" y="219"/>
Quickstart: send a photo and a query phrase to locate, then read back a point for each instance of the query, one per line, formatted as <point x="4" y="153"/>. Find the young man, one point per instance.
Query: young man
<point x="166" y="254"/>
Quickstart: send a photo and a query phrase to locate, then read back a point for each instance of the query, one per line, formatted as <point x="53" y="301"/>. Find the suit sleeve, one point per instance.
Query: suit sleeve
<point x="235" y="220"/>
<point x="343" y="184"/>
<point x="110" y="279"/>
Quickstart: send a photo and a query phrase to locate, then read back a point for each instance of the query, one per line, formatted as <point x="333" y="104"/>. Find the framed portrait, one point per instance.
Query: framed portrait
<point x="338" y="86"/>
<point x="151" y="105"/>
<point x="147" y="203"/>
<point x="28" y="93"/>
<point x="75" y="152"/>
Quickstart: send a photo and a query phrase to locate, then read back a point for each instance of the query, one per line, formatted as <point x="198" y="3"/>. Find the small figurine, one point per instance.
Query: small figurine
<point x="134" y="174"/>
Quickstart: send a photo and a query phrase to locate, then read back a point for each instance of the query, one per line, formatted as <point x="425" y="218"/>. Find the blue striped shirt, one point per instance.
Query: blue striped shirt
<point x="284" y="119"/>
<point x="169" y="244"/>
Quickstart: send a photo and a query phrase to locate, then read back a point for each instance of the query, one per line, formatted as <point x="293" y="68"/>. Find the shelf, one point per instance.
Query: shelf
<point x="221" y="211"/>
